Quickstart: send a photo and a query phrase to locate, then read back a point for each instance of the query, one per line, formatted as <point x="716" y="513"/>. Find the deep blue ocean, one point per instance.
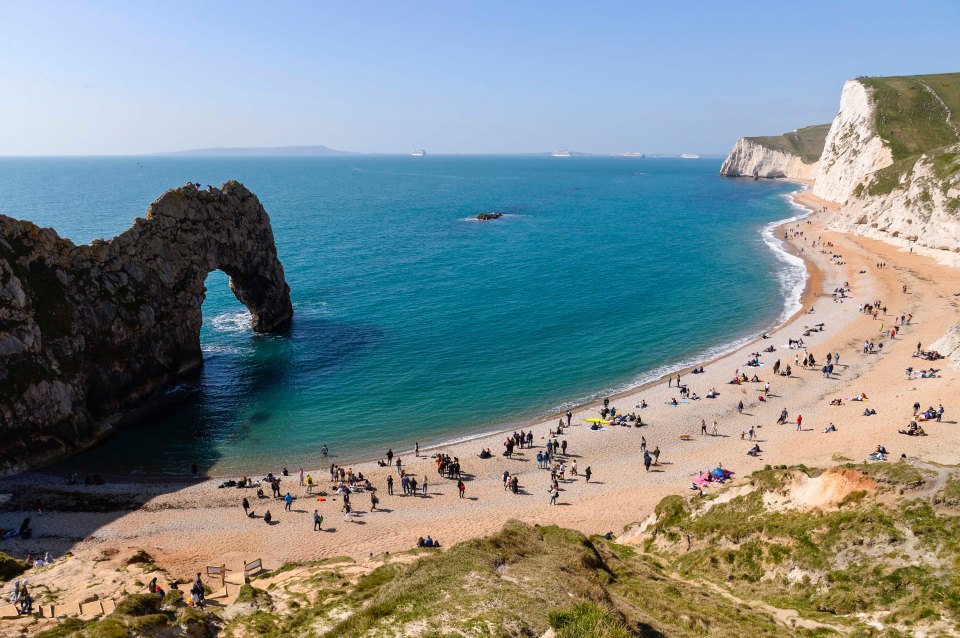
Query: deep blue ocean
<point x="416" y="323"/>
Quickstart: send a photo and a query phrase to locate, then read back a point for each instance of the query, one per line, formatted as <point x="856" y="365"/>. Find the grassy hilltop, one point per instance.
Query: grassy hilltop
<point x="858" y="550"/>
<point x="807" y="142"/>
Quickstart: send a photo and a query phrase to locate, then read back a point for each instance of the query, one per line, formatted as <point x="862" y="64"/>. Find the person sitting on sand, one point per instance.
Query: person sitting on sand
<point x="830" y="428"/>
<point x="673" y="401"/>
<point x="267" y="517"/>
<point x="754" y="451"/>
<point x="642" y="404"/>
<point x="869" y="412"/>
<point x="836" y="402"/>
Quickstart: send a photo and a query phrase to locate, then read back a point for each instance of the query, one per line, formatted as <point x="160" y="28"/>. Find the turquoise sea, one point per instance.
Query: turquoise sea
<point x="416" y="323"/>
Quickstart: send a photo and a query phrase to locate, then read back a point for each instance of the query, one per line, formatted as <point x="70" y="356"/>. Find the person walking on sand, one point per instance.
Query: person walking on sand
<point x="301" y="478"/>
<point x="656" y="455"/>
<point x="715" y="428"/>
<point x="287" y="501"/>
<point x="553" y="494"/>
<point x="246" y="507"/>
<point x="461" y="488"/>
<point x="587" y="473"/>
<point x="390" y="484"/>
<point x="740" y="407"/>
<point x="317" y="521"/>
<point x="424" y="485"/>
<point x="703" y="427"/>
<point x="373" y="500"/>
<point x="799" y="423"/>
<point x="646" y="461"/>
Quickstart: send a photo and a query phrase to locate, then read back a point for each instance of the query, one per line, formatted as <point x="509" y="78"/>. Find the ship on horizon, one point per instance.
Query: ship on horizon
<point x="418" y="153"/>
<point x="690" y="156"/>
<point x="561" y="154"/>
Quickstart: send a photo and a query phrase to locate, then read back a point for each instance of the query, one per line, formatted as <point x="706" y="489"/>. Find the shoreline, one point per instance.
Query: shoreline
<point x="711" y="355"/>
<point x="188" y="523"/>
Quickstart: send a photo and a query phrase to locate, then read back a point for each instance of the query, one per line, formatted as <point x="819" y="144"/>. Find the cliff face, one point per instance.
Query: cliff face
<point x="922" y="211"/>
<point x="793" y="155"/>
<point x="90" y="334"/>
<point x="853" y="148"/>
<point x="892" y="160"/>
<point x="750" y="158"/>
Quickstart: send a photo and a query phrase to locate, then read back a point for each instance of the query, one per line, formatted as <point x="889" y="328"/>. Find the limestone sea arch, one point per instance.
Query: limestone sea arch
<point x="92" y="335"/>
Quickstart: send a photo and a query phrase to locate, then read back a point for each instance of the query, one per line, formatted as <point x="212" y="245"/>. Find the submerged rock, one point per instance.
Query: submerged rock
<point x="485" y="217"/>
<point x="91" y="335"/>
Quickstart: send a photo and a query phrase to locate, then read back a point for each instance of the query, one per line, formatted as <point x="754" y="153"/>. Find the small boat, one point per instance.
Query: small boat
<point x="690" y="156"/>
<point x="561" y="154"/>
<point x="419" y="153"/>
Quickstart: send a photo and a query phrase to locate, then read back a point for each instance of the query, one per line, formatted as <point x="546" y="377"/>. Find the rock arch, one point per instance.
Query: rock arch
<point x="92" y="335"/>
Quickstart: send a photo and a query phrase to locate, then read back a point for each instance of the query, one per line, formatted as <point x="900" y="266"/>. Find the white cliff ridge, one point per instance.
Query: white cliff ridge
<point x="750" y="158"/>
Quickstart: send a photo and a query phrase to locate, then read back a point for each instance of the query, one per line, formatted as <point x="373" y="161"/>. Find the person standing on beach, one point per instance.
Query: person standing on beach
<point x="569" y="417"/>
<point x="715" y="428"/>
<point x="703" y="427"/>
<point x="424" y="485"/>
<point x="287" y="501"/>
<point x="740" y="407"/>
<point x="646" y="460"/>
<point x="643" y="444"/>
<point x="301" y="477"/>
<point x="374" y="500"/>
<point x="799" y="422"/>
<point x="317" y="521"/>
<point x="587" y="473"/>
<point x="656" y="455"/>
<point x="246" y="507"/>
<point x="389" y="456"/>
<point x="390" y="485"/>
<point x="399" y="466"/>
<point x="416" y="450"/>
<point x="461" y="488"/>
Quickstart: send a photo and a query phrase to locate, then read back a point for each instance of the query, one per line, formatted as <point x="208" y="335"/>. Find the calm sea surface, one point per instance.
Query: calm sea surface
<point x="415" y="323"/>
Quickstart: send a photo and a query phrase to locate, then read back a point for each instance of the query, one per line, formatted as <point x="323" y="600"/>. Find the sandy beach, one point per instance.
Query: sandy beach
<point x="187" y="526"/>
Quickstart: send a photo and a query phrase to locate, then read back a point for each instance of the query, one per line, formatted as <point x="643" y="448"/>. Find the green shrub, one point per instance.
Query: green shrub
<point x="138" y="605"/>
<point x="10" y="567"/>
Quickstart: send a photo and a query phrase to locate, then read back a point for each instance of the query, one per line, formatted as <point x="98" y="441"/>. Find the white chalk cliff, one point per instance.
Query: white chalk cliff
<point x="750" y="158"/>
<point x="853" y="149"/>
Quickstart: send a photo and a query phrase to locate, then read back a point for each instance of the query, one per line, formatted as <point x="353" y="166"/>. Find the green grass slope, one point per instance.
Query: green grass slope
<point x="915" y="114"/>
<point x="806" y="142"/>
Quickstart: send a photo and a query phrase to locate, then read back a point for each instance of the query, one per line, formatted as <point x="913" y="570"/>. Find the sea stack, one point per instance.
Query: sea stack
<point x="91" y="335"/>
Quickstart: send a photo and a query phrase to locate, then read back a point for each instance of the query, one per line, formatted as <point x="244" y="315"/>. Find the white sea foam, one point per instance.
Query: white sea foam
<point x="232" y="322"/>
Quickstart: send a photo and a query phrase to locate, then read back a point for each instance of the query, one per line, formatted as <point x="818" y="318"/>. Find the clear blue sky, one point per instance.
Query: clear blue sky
<point x="449" y="76"/>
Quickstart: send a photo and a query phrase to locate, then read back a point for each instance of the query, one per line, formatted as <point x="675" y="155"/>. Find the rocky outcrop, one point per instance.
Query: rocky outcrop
<point x="90" y="335"/>
<point x="750" y="158"/>
<point x="853" y="148"/>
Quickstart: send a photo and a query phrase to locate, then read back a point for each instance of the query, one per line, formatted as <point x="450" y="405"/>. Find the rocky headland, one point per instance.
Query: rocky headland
<point x="890" y="162"/>
<point x="92" y="335"/>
